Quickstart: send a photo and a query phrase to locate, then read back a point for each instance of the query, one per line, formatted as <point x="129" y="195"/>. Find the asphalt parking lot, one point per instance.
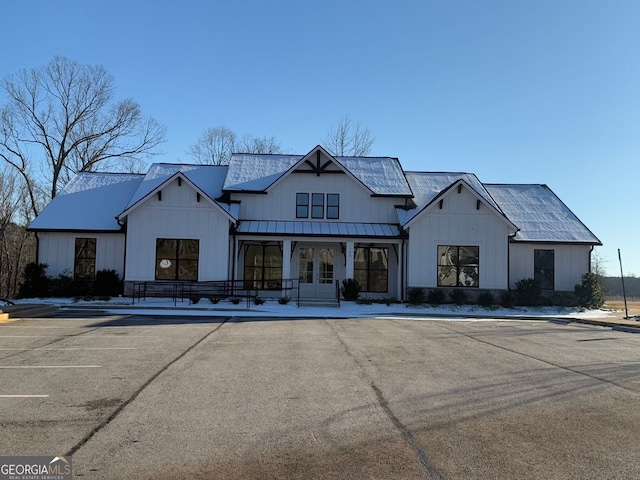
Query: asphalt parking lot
<point x="132" y="397"/>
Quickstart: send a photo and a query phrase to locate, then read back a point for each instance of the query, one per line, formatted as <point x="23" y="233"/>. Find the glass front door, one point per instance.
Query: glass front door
<point x="316" y="272"/>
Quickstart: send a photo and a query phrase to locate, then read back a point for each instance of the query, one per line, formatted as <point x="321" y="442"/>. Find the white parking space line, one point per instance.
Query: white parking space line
<point x="24" y="396"/>
<point x="68" y="348"/>
<point x="7" y="367"/>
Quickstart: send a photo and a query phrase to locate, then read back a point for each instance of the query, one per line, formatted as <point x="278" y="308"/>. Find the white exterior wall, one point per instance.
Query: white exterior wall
<point x="57" y="249"/>
<point x="570" y="262"/>
<point x="356" y="202"/>
<point x="458" y="223"/>
<point x="180" y="216"/>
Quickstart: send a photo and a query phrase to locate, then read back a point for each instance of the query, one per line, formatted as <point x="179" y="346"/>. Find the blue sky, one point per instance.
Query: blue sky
<point x="514" y="91"/>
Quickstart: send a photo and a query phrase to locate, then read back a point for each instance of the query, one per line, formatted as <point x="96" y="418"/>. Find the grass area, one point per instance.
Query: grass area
<point x="618" y="304"/>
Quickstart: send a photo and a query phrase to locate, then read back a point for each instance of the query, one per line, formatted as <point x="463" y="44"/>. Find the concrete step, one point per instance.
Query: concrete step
<point x="319" y="302"/>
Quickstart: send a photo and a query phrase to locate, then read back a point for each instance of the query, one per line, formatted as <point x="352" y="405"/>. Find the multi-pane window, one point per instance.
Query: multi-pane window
<point x="318" y="204"/>
<point x="371" y="268"/>
<point x="458" y="266"/>
<point x="333" y="205"/>
<point x="177" y="259"/>
<point x="302" y="205"/>
<point x="84" y="266"/>
<point x="543" y="268"/>
<point x="263" y="267"/>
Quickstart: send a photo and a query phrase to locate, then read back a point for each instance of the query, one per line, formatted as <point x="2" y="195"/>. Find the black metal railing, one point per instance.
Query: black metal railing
<point x="218" y="289"/>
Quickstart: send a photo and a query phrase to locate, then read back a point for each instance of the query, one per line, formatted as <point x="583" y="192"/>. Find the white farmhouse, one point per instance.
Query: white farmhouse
<point x="307" y="222"/>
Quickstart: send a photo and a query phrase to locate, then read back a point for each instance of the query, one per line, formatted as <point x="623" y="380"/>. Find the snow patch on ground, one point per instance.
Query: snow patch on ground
<point x="161" y="306"/>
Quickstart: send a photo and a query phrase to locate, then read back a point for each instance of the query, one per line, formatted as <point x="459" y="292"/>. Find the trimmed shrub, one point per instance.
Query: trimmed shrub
<point x="258" y="301"/>
<point x="436" y="297"/>
<point x="235" y="300"/>
<point x="459" y="297"/>
<point x="506" y="299"/>
<point x="108" y="282"/>
<point x="416" y="296"/>
<point x="589" y="292"/>
<point x="194" y="300"/>
<point x="350" y="289"/>
<point x="284" y="300"/>
<point x="485" y="299"/>
<point x="528" y="292"/>
<point x="36" y="282"/>
<point x="214" y="300"/>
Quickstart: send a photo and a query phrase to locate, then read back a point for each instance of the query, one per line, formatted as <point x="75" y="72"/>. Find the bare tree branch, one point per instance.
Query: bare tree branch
<point x="348" y="140"/>
<point x="61" y="119"/>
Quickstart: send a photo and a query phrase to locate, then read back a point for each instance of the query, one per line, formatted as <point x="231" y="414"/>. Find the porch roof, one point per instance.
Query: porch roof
<point x="319" y="229"/>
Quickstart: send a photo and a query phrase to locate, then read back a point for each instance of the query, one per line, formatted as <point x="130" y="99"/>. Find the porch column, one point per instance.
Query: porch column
<point x="399" y="284"/>
<point x="286" y="263"/>
<point x="350" y="255"/>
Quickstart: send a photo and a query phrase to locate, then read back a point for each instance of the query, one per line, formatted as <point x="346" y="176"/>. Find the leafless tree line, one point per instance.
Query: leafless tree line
<point x="62" y="118"/>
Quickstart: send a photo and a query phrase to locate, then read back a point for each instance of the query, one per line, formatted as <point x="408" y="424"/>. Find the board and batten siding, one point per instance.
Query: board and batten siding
<point x="177" y="216"/>
<point x="57" y="249"/>
<point x="356" y="202"/>
<point x="458" y="223"/>
<point x="570" y="263"/>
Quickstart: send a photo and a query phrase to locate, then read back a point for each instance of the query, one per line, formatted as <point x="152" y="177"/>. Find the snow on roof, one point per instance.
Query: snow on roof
<point x="255" y="173"/>
<point x="382" y="175"/>
<point x="208" y="178"/>
<point x="90" y="201"/>
<point x="540" y="214"/>
<point x="426" y="186"/>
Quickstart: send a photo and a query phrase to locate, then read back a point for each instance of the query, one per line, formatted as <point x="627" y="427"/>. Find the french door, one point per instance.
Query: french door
<point x="316" y="272"/>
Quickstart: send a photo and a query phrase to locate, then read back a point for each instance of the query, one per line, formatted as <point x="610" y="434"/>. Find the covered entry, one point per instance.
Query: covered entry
<point x="316" y="267"/>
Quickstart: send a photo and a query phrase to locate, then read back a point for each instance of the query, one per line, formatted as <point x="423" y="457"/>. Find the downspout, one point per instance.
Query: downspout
<point x="124" y="260"/>
<point x="403" y="268"/>
<point x="590" y="252"/>
<point x="37" y="248"/>
<point x="509" y="237"/>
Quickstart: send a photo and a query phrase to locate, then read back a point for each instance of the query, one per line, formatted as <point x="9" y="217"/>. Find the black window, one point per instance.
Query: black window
<point x="458" y="266"/>
<point x="317" y="205"/>
<point x="177" y="259"/>
<point x="543" y="268"/>
<point x="302" y="205"/>
<point x="263" y="267"/>
<point x="84" y="266"/>
<point x="333" y="205"/>
<point x="371" y="268"/>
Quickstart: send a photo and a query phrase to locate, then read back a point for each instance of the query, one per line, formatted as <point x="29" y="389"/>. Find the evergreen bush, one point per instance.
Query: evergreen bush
<point x="35" y="281"/>
<point x="108" y="283"/>
<point x="416" y="296"/>
<point x="528" y="292"/>
<point x="436" y="297"/>
<point x="350" y="289"/>
<point x="459" y="297"/>
<point x="485" y="299"/>
<point x="589" y="292"/>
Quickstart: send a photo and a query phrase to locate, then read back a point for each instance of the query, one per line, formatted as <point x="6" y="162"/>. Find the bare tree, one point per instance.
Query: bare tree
<point x="250" y="144"/>
<point x="214" y="147"/>
<point x="62" y="119"/>
<point x="348" y="140"/>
